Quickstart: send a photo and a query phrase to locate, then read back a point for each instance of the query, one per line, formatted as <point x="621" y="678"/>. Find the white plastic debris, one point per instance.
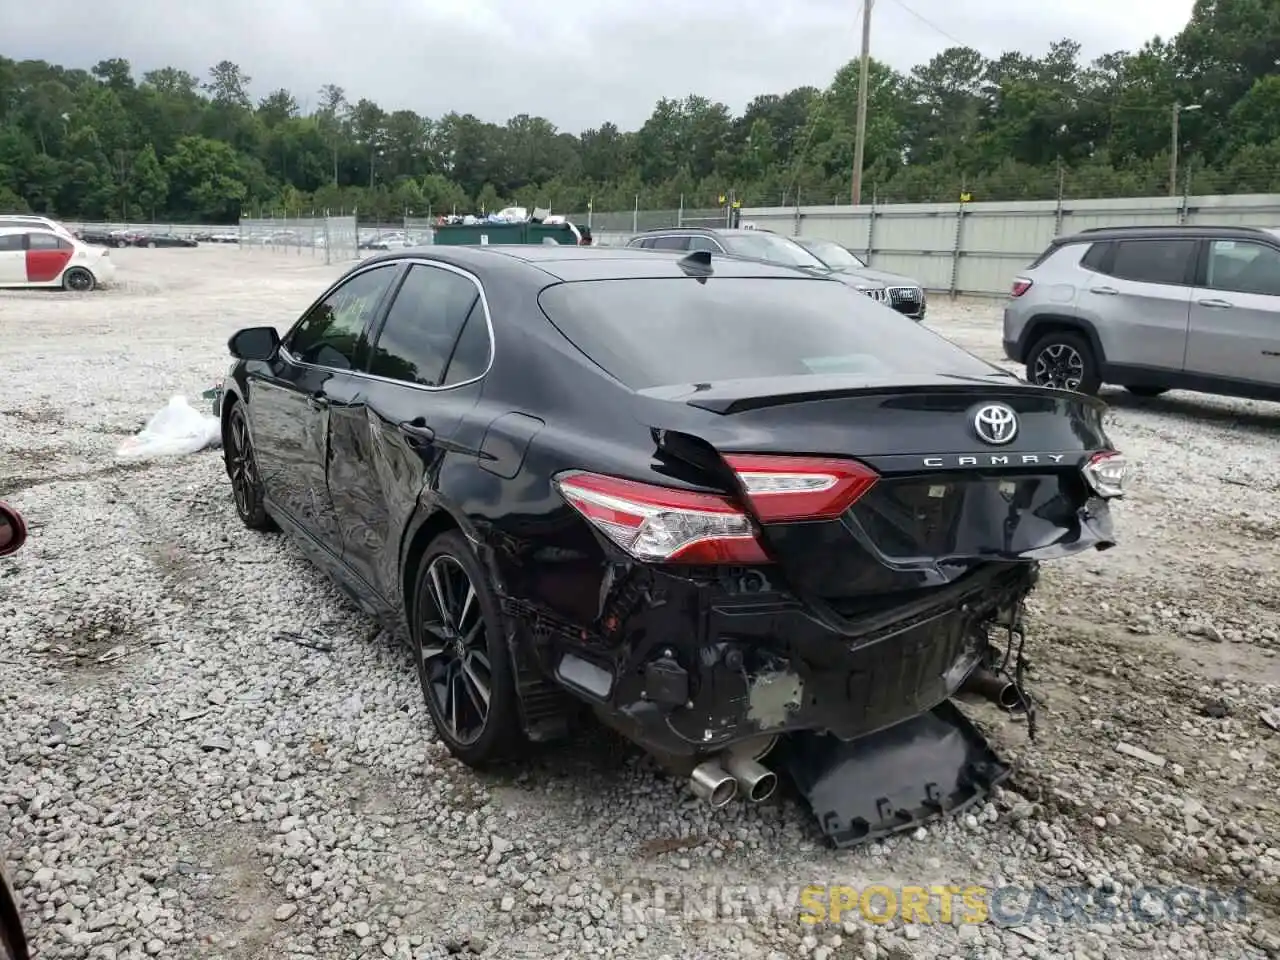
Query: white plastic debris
<point x="176" y="430"/>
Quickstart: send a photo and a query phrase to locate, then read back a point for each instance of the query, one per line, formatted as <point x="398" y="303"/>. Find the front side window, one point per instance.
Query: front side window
<point x="417" y="341"/>
<point x="1242" y="267"/>
<point x="705" y="243"/>
<point x="1153" y="261"/>
<point x="333" y="332"/>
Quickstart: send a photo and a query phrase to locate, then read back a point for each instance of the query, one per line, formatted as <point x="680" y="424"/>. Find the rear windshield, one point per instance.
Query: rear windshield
<point x="663" y="332"/>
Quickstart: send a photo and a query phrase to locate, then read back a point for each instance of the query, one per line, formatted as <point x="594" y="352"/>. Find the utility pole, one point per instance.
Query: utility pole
<point x="860" y="134"/>
<point x="1178" y="109"/>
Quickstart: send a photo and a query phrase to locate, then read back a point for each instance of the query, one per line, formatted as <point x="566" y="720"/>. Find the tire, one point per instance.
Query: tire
<point x="463" y="654"/>
<point x="151" y="245"/>
<point x="242" y="468"/>
<point x="121" y="244"/>
<point x="79" y="280"/>
<point x="1065" y="361"/>
<point x="1147" y="391"/>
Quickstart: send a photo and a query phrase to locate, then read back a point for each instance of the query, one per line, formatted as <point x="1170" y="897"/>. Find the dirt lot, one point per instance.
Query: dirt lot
<point x="208" y="754"/>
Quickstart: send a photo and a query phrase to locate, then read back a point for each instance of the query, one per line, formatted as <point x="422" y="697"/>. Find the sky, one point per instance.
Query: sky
<point x="578" y="63"/>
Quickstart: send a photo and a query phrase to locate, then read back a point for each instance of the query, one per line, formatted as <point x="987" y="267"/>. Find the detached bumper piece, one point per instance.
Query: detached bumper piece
<point x="862" y="790"/>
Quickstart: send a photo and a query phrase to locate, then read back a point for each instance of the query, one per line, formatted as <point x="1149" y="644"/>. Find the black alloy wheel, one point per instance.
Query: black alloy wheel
<point x="78" y="280"/>
<point x="1063" y="361"/>
<point x="242" y="468"/>
<point x="461" y="651"/>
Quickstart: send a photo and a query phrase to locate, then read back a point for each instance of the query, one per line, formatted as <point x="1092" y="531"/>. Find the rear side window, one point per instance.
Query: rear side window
<point x="422" y="326"/>
<point x="658" y="332"/>
<point x="670" y="243"/>
<point x="9" y="242"/>
<point x="1097" y="256"/>
<point x="1153" y="261"/>
<point x="48" y="241"/>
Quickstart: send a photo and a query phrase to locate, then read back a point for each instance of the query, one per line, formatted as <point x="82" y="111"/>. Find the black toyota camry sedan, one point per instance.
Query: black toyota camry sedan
<point x="730" y="506"/>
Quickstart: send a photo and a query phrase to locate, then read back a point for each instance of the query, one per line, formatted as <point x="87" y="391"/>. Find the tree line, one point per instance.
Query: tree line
<point x="106" y="144"/>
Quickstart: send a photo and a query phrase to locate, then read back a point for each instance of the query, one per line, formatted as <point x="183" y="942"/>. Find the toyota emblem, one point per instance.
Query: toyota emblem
<point x="995" y="424"/>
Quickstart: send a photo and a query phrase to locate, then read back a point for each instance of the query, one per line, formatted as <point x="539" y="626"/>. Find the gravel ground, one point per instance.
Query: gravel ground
<point x="208" y="753"/>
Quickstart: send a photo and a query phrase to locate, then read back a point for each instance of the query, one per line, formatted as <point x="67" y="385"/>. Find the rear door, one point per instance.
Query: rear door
<point x="1235" y="313"/>
<point x="13" y="258"/>
<point x="390" y="435"/>
<point x="1139" y="299"/>
<point x="47" y="256"/>
<point x="290" y="399"/>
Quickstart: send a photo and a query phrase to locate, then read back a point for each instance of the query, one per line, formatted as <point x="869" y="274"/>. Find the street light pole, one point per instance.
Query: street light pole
<point x="860" y="133"/>
<point x="1178" y="109"/>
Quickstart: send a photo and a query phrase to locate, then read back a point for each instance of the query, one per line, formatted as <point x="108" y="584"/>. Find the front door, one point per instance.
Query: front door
<point x="1235" y="315"/>
<point x="13" y="259"/>
<point x="289" y="399"/>
<point x="391" y="438"/>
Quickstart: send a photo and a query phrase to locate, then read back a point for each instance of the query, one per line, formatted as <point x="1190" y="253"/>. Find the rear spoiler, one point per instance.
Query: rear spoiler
<point x="736" y="396"/>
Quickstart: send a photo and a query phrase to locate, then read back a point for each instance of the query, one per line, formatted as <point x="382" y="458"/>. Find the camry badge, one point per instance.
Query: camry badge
<point x="995" y="424"/>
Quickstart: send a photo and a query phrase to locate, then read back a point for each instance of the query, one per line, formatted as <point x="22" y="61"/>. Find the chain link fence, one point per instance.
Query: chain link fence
<point x="335" y="239"/>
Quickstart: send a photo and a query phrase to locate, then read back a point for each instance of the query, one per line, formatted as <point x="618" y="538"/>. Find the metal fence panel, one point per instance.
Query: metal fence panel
<point x="336" y="239"/>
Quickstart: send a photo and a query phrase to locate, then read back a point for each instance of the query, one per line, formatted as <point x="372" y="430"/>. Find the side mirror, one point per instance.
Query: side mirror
<point x="254" y="343"/>
<point x="13" y="531"/>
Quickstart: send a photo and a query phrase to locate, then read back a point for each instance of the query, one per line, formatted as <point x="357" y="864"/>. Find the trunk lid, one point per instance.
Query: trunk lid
<point x="953" y="491"/>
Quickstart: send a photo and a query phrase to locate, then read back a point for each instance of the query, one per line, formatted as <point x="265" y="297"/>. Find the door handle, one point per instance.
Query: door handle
<point x="1219" y="304"/>
<point x="1105" y="291"/>
<point x="317" y="401"/>
<point x="417" y="434"/>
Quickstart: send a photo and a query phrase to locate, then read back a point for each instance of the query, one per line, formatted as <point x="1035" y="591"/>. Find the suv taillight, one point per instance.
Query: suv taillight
<point x="1020" y="286"/>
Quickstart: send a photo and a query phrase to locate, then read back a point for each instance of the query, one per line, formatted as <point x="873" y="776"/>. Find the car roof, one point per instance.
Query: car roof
<point x="28" y="227"/>
<point x="719" y="231"/>
<point x="570" y="263"/>
<point x="1169" y="231"/>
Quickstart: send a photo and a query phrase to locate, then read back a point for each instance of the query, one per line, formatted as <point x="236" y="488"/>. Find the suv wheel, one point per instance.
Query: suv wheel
<point x="1064" y="361"/>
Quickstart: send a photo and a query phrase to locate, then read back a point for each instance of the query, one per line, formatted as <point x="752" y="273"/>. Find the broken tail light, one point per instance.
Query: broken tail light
<point x="661" y="524"/>
<point x="1106" y="474"/>
<point x="1020" y="286"/>
<point x="664" y="525"/>
<point x="800" y="488"/>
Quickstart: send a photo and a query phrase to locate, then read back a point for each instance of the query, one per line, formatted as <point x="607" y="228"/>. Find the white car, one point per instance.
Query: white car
<point x="31" y="256"/>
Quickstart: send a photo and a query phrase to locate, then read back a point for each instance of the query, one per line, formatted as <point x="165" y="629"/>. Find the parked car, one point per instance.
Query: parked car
<point x="903" y="293"/>
<point x="36" y="257"/>
<point x="13" y="534"/>
<point x="682" y="491"/>
<point x="1152" y="309"/>
<point x="763" y="245"/>
<point x="161" y="240"/>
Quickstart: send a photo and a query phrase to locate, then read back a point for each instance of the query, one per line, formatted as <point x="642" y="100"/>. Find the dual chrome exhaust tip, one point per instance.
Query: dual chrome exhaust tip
<point x="718" y="783"/>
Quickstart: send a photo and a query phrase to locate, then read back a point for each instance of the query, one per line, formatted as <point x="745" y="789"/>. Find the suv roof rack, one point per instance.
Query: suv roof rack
<point x="1149" y="227"/>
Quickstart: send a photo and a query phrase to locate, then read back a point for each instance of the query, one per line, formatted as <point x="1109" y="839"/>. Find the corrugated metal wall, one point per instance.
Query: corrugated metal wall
<point x="978" y="248"/>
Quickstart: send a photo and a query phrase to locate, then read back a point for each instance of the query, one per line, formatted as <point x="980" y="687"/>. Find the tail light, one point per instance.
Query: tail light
<point x="800" y="488"/>
<point x="1020" y="286"/>
<point x="1106" y="474"/>
<point x="663" y="525"/>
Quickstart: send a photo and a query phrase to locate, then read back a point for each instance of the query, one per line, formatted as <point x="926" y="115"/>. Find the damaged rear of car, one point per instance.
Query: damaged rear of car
<point x="836" y="525"/>
<point x="757" y="523"/>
